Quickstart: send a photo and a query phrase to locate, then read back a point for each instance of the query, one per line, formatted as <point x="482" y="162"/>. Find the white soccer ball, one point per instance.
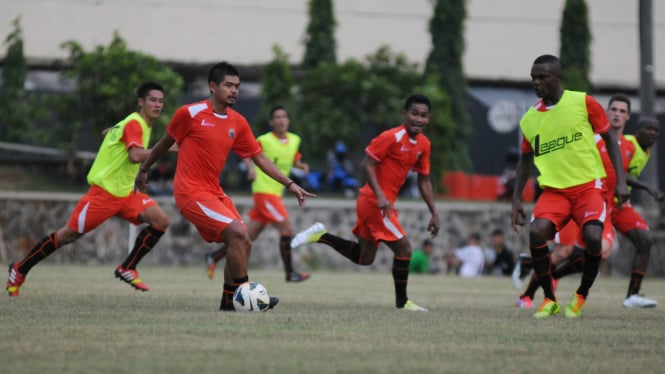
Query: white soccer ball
<point x="251" y="297"/>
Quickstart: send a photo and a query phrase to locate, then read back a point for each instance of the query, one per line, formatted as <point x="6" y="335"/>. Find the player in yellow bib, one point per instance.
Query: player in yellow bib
<point x="111" y="193"/>
<point x="282" y="147"/>
<point x="558" y="137"/>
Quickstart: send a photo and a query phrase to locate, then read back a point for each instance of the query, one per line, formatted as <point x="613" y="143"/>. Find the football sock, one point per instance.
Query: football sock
<point x="541" y="266"/>
<point x="145" y="241"/>
<point x="400" y="277"/>
<point x="285" y="251"/>
<point x="532" y="287"/>
<point x="591" y="265"/>
<point x="40" y="251"/>
<point x="635" y="282"/>
<point x="346" y="248"/>
<point x="573" y="266"/>
<point x="220" y="253"/>
<point x="228" y="291"/>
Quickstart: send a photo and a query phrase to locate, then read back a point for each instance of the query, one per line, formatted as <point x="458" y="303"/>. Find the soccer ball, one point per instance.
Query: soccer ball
<point x="251" y="297"/>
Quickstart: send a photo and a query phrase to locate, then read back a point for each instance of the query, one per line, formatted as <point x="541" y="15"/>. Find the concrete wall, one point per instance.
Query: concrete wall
<point x="27" y="217"/>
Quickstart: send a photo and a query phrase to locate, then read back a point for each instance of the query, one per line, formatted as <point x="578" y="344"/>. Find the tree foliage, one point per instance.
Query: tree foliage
<point x="105" y="81"/>
<point x="14" y="103"/>
<point x="575" y="45"/>
<point x="277" y="87"/>
<point x="445" y="62"/>
<point x="320" y="35"/>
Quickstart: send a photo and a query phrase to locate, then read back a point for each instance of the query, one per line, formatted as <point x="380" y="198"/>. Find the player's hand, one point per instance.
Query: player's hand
<point x="384" y="205"/>
<point x="622" y="194"/>
<point x="518" y="216"/>
<point x="300" y="193"/>
<point x="140" y="181"/>
<point x="251" y="174"/>
<point x="657" y="195"/>
<point x="434" y="226"/>
<point x="305" y="168"/>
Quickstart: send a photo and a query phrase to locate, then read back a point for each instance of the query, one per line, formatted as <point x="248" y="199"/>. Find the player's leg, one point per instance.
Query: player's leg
<point x="642" y="241"/>
<point x="89" y="212"/>
<point x="238" y="248"/>
<point x="254" y="229"/>
<point x="402" y="250"/>
<point x="285" y="230"/>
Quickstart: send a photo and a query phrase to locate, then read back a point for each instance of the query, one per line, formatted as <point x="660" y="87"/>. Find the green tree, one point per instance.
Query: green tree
<point x="105" y="81"/>
<point x="575" y="45"/>
<point x="320" y="35"/>
<point x="276" y="88"/>
<point x="445" y="61"/>
<point x="14" y="108"/>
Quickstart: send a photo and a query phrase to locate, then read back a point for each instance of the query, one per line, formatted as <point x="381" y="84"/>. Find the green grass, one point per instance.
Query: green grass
<point x="78" y="319"/>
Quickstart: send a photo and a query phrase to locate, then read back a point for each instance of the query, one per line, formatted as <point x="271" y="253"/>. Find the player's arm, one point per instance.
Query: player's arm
<point x="522" y="176"/>
<point x="269" y="167"/>
<point x="138" y="154"/>
<point x="425" y="188"/>
<point x="162" y="146"/>
<point x="251" y="171"/>
<point x="368" y="165"/>
<point x="302" y="166"/>
<point x="636" y="183"/>
<point x="614" y="152"/>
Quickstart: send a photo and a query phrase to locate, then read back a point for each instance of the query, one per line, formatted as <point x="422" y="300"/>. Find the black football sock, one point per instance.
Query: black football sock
<point x="532" y="287"/>
<point x="40" y="251"/>
<point x="285" y="251"/>
<point x="400" y="277"/>
<point x="228" y="291"/>
<point x="145" y="241"/>
<point x="635" y="282"/>
<point x="346" y="248"/>
<point x="573" y="266"/>
<point x="542" y="268"/>
<point x="591" y="265"/>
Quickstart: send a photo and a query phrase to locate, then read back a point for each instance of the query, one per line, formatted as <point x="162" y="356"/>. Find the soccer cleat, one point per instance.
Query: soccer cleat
<point x="16" y="279"/>
<point x="211" y="264"/>
<point x="639" y="301"/>
<point x="547" y="308"/>
<point x="521" y="271"/>
<point x="310" y="235"/>
<point x="413" y="307"/>
<point x="574" y="307"/>
<point x="273" y="302"/>
<point x="131" y="277"/>
<point x="524" y="302"/>
<point x="295" y="277"/>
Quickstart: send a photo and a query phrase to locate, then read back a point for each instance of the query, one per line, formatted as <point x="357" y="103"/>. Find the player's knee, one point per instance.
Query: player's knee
<point x="67" y="235"/>
<point x="236" y="236"/>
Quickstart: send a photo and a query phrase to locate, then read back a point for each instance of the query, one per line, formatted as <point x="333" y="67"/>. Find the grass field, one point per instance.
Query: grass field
<point x="78" y="319"/>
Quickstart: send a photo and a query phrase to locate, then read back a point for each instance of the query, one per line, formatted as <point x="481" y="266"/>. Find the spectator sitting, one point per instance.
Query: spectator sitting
<point x="340" y="171"/>
<point x="467" y="261"/>
<point x="503" y="260"/>
<point x="420" y="258"/>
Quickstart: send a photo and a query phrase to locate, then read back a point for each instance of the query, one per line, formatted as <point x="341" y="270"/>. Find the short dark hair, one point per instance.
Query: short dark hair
<point x="427" y="243"/>
<point x="475" y="236"/>
<point x="621" y="98"/>
<point x="645" y="120"/>
<point x="417" y="99"/>
<point x="145" y="88"/>
<point x="276" y="108"/>
<point x="546" y="59"/>
<point x="497" y="232"/>
<point x="221" y="70"/>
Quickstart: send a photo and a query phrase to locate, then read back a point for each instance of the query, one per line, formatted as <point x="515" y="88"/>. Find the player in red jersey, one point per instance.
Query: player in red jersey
<point x="389" y="157"/>
<point x="558" y="137"/>
<point x="111" y="194"/>
<point x="205" y="133"/>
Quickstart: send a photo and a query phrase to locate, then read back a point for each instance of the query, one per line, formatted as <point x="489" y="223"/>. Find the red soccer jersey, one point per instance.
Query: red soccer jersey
<point x="204" y="140"/>
<point x="597" y="118"/>
<point x="396" y="154"/>
<point x="627" y="149"/>
<point x="132" y="135"/>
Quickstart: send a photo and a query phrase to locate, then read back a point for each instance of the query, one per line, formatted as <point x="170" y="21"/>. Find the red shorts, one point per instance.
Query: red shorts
<point x="97" y="206"/>
<point x="582" y="203"/>
<point x="568" y="235"/>
<point x="626" y="219"/>
<point x="372" y="225"/>
<point x="268" y="208"/>
<point x="211" y="214"/>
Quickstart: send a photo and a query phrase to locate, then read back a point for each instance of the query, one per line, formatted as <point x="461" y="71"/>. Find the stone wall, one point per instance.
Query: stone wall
<point x="27" y="217"/>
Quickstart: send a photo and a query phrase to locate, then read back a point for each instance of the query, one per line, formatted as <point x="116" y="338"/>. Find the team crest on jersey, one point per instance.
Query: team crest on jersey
<point x="232" y="133"/>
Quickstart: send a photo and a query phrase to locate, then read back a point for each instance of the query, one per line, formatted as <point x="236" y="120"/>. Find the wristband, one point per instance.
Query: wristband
<point x="289" y="184"/>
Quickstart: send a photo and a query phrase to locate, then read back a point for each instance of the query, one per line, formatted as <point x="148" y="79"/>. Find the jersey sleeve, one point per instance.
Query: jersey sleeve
<point x="179" y="125"/>
<point x="132" y="135"/>
<point x="597" y="116"/>
<point x="245" y="144"/>
<point x="525" y="146"/>
<point x="378" y="148"/>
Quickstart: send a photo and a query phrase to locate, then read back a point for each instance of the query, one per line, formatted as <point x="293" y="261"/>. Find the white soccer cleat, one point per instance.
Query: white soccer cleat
<point x="637" y="301"/>
<point x="310" y="235"/>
